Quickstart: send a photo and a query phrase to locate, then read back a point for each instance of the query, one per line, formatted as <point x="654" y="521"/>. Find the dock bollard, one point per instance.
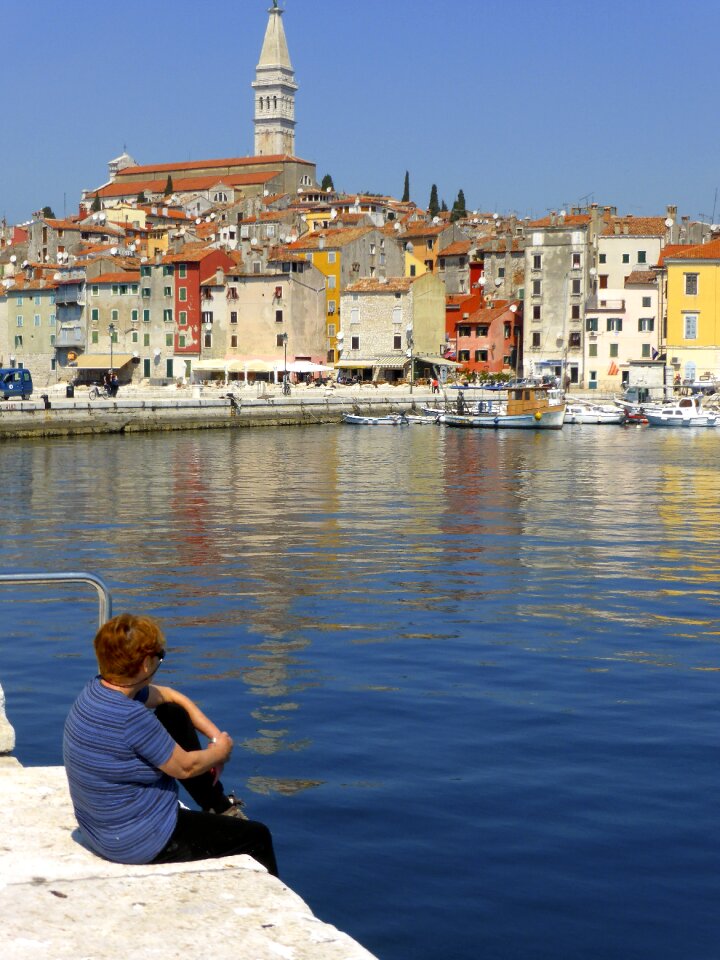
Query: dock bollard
<point x="46" y="400"/>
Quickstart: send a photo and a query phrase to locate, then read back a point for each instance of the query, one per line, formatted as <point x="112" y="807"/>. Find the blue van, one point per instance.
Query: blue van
<point x="15" y="383"/>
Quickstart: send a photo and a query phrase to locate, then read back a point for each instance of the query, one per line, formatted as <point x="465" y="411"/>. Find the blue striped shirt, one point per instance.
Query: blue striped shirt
<point x="126" y="807"/>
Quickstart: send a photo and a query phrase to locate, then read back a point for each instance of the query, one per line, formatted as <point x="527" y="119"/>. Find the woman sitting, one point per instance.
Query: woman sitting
<point x="127" y="742"/>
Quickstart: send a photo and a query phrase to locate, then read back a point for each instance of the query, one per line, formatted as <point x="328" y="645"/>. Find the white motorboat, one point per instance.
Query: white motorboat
<point x="391" y="420"/>
<point x="683" y="412"/>
<point x="585" y="412"/>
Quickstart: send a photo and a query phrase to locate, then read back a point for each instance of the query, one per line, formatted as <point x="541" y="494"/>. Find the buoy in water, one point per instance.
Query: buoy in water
<point x="538" y="415"/>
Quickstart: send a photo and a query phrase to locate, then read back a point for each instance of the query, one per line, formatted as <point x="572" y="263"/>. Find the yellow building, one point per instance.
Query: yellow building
<point x="693" y="310"/>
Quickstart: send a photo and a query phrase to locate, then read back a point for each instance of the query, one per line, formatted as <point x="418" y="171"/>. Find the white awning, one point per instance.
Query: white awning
<point x="209" y="365"/>
<point x="355" y="364"/>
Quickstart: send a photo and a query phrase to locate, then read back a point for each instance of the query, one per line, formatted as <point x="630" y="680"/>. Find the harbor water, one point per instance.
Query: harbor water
<point x="472" y="677"/>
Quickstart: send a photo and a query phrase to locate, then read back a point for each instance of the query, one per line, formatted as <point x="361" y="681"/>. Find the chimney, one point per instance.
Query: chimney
<point x="671" y="212"/>
<point x="616" y="228"/>
<point x="553" y="217"/>
<point x="219" y="277"/>
<point x="158" y="257"/>
<point x="626" y="227"/>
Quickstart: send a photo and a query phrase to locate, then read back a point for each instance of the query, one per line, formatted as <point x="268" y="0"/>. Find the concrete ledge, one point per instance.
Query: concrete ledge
<point x="59" y="901"/>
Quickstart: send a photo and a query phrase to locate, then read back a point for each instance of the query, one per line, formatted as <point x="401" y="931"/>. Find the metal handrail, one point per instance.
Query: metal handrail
<point x="104" y="597"/>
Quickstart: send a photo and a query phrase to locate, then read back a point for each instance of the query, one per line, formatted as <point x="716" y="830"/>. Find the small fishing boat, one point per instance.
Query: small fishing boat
<point x="525" y="408"/>
<point x="683" y="412"/>
<point x="415" y="420"/>
<point x="585" y="412"/>
<point x="390" y="420"/>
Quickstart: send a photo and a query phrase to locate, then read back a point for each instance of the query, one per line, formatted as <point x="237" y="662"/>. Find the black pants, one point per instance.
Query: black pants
<point x="199" y="835"/>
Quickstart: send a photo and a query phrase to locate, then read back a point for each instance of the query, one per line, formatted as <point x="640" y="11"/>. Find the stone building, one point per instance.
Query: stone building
<point x="252" y="312"/>
<point x="343" y="257"/>
<point x="558" y="257"/>
<point x="393" y="327"/>
<point x="28" y="335"/>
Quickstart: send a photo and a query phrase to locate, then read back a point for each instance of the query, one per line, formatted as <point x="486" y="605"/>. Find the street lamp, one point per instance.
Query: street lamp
<point x="286" y="385"/>
<point x="111" y="331"/>
<point x="410" y="342"/>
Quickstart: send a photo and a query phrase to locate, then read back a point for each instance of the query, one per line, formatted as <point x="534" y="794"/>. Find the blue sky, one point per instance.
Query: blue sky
<point x="526" y="106"/>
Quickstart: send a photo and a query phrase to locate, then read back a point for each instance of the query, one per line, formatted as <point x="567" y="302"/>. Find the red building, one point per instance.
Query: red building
<point x="192" y="265"/>
<point x="488" y="339"/>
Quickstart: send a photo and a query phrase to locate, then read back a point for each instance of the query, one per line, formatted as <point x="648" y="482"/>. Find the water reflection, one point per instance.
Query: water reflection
<point x="501" y="628"/>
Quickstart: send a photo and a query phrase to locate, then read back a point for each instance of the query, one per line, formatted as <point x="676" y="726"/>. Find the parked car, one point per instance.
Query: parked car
<point x="15" y="383"/>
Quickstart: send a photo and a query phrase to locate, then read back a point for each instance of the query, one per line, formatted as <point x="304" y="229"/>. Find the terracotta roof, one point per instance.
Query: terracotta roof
<point x="333" y="238"/>
<point x="183" y="185"/>
<point x="283" y="255"/>
<point x="423" y="230"/>
<point x="640" y="276"/>
<point x="169" y="213"/>
<point x="22" y="283"/>
<point x="129" y="276"/>
<point x="207" y="164"/>
<point x="460" y="248"/>
<point x="83" y="227"/>
<point x="703" y="251"/>
<point x="191" y="253"/>
<point x="490" y="313"/>
<point x="377" y="285"/>
<point x="273" y="198"/>
<point x="636" y="226"/>
<point x="573" y="220"/>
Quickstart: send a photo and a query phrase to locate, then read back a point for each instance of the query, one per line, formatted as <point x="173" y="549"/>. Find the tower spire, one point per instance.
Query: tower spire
<point x="275" y="89"/>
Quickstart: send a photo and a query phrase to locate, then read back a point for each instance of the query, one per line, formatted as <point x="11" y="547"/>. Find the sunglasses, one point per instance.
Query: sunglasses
<point x="161" y="655"/>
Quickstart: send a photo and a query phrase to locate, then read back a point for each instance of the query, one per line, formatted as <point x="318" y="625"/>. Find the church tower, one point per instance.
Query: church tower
<point x="275" y="92"/>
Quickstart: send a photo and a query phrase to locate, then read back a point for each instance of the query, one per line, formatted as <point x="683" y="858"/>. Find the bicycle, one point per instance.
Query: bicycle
<point x="98" y="392"/>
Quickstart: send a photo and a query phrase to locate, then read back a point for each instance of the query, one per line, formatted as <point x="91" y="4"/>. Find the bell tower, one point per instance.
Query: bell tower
<point x="275" y="89"/>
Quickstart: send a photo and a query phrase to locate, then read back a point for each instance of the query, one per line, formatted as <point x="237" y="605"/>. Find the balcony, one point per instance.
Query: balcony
<point x="600" y="305"/>
<point x="68" y="293"/>
<point x="69" y="337"/>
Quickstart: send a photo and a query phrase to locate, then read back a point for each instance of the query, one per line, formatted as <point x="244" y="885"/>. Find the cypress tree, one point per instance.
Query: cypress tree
<point x="433" y="208"/>
<point x="96" y="205"/>
<point x="406" y="191"/>
<point x="459" y="209"/>
<point x="168" y="186"/>
<point x="327" y="182"/>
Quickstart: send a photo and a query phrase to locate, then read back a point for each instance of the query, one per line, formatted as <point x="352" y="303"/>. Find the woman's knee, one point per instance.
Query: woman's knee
<point x="172" y="715"/>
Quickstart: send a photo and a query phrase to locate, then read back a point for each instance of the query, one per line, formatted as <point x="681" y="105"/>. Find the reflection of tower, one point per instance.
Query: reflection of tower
<point x="275" y="92"/>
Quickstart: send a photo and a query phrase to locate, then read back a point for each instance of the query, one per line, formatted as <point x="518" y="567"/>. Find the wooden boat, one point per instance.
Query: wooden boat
<point x="391" y="420"/>
<point x="683" y="412"/>
<point x="525" y="408"/>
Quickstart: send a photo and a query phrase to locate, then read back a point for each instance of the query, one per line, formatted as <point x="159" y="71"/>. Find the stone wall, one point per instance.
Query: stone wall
<point x="7" y="734"/>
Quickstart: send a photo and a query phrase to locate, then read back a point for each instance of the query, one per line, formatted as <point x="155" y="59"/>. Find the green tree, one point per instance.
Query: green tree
<point x="406" y="191"/>
<point x="168" y="186"/>
<point x="327" y="182"/>
<point x="48" y="213"/>
<point x="459" y="210"/>
<point x="433" y="206"/>
<point x="443" y="207"/>
<point x="141" y="198"/>
<point x="96" y="205"/>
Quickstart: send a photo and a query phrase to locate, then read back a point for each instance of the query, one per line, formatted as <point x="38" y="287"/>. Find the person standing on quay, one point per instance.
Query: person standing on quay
<point x="126" y="744"/>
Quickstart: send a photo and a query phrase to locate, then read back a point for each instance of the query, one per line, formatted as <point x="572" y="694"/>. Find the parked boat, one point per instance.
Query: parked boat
<point x="435" y="417"/>
<point x="586" y="412"/>
<point x="525" y="408"/>
<point x="391" y="420"/>
<point x="683" y="412"/>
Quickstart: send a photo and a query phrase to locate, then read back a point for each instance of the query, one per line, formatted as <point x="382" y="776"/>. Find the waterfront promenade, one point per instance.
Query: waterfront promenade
<point x="138" y="409"/>
<point x="59" y="901"/>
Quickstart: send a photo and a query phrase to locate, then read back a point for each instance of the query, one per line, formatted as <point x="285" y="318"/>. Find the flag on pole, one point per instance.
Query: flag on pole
<point x="613" y="370"/>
